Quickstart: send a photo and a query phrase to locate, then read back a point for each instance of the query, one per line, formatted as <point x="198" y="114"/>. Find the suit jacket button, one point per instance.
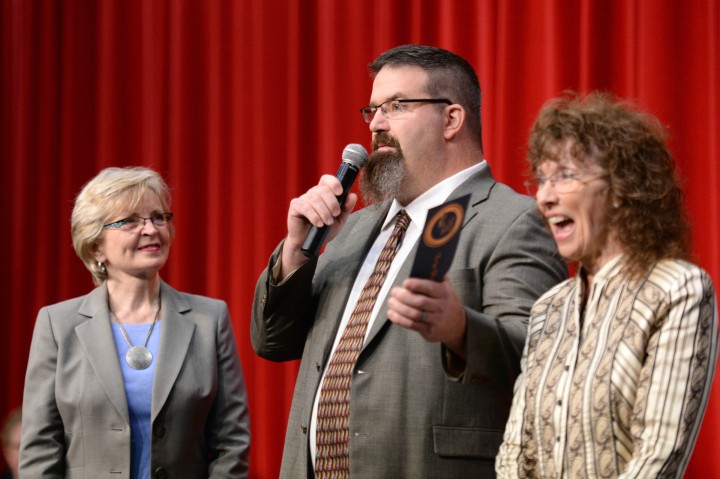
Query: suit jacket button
<point x="263" y="300"/>
<point x="304" y="429"/>
<point x="159" y="430"/>
<point x="161" y="473"/>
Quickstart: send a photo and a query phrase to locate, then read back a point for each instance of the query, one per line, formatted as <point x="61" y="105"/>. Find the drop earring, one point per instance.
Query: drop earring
<point x="101" y="267"/>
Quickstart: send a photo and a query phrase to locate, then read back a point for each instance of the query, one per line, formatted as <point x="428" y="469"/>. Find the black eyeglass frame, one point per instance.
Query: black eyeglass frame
<point x="368" y="112"/>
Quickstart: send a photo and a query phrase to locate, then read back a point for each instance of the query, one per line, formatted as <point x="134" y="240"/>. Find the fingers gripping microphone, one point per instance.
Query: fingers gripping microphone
<point x="354" y="157"/>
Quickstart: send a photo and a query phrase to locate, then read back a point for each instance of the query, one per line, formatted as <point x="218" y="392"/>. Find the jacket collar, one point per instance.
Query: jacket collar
<point x="96" y="339"/>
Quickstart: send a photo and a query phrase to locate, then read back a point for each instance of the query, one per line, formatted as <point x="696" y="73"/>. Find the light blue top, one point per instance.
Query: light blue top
<point x="138" y="389"/>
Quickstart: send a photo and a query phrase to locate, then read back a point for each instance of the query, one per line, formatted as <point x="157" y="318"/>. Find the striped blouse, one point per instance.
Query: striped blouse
<point x="619" y="391"/>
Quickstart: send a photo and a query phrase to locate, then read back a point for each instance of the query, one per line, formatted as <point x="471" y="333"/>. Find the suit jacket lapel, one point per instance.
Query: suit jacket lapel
<point x="478" y="186"/>
<point x="361" y="238"/>
<point x="175" y="336"/>
<point x="98" y="344"/>
<point x="382" y="318"/>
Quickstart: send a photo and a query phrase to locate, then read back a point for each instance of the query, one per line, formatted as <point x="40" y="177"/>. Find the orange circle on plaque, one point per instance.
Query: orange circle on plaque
<point x="452" y="212"/>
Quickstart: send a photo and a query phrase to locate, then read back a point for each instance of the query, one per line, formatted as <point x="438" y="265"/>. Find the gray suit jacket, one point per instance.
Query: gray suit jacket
<point x="75" y="415"/>
<point x="408" y="418"/>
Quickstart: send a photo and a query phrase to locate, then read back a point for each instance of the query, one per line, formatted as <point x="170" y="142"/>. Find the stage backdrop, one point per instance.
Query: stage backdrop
<point x="243" y="104"/>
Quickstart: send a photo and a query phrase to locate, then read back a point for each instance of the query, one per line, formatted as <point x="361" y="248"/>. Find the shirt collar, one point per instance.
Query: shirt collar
<point x="438" y="194"/>
<point x="608" y="270"/>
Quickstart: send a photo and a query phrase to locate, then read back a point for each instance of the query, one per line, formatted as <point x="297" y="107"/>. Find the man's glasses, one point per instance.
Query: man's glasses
<point x="562" y="181"/>
<point x="395" y="108"/>
<point x="135" y="223"/>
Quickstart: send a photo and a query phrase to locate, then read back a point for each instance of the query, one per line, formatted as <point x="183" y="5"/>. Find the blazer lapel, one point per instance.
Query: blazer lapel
<point x="98" y="344"/>
<point x="175" y="336"/>
<point x="478" y="186"/>
<point x="382" y="318"/>
<point x="361" y="238"/>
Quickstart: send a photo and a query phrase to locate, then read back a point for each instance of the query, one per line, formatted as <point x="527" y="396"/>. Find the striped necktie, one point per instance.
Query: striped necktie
<point x="332" y="440"/>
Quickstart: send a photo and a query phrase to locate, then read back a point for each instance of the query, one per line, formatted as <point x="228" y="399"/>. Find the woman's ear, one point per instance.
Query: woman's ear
<point x="97" y="253"/>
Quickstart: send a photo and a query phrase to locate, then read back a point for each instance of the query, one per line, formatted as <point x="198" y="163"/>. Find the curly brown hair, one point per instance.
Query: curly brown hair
<point x="645" y="201"/>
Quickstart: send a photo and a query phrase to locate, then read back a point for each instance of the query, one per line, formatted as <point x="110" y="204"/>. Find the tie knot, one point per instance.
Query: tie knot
<point x="402" y="221"/>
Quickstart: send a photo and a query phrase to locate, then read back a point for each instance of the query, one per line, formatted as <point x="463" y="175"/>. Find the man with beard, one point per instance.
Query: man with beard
<point x="409" y="377"/>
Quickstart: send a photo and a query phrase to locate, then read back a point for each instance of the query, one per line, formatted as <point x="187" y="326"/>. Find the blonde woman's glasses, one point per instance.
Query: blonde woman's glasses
<point x="135" y="223"/>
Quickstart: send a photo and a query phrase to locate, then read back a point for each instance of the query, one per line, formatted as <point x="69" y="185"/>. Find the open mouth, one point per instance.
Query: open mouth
<point x="561" y="226"/>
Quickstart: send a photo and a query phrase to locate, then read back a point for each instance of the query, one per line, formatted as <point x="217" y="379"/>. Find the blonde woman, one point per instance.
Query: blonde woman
<point x="135" y="379"/>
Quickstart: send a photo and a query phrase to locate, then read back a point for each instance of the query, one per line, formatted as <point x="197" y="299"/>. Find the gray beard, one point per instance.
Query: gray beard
<point x="382" y="177"/>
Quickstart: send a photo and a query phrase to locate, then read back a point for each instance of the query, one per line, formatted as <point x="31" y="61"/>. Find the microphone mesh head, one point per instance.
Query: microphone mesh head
<point x="355" y="154"/>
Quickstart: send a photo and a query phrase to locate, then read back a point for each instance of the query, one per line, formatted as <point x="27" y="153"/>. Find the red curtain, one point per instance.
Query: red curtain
<point x="243" y="104"/>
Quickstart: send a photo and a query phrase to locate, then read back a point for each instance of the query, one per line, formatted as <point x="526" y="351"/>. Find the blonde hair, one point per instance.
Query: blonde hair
<point x="111" y="191"/>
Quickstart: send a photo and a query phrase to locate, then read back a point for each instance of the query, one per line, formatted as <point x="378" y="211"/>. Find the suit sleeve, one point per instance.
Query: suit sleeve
<point x="42" y="445"/>
<point x="524" y="265"/>
<point x="282" y="313"/>
<point x="228" y="426"/>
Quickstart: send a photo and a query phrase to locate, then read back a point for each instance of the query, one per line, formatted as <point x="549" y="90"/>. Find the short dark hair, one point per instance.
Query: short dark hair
<point x="449" y="76"/>
<point x="630" y="146"/>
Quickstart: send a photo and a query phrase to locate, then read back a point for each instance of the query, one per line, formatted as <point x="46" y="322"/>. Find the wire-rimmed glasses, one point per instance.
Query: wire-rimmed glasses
<point x="134" y="223"/>
<point x="563" y="181"/>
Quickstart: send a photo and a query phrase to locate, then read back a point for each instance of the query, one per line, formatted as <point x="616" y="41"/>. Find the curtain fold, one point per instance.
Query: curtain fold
<point x="242" y="105"/>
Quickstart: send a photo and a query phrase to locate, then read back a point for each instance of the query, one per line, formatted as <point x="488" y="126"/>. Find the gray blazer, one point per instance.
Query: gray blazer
<point x="75" y="416"/>
<point x="408" y="418"/>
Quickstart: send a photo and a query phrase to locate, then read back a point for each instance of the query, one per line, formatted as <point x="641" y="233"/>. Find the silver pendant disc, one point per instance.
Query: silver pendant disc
<point x="138" y="357"/>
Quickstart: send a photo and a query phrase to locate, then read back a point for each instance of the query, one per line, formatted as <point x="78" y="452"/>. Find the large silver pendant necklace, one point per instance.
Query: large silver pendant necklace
<point x="138" y="357"/>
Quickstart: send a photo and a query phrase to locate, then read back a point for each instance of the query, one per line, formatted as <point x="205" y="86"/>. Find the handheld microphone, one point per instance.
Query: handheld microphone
<point x="354" y="157"/>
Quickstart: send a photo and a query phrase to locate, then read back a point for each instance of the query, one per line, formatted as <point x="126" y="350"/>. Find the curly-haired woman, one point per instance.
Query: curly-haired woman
<point x="619" y="360"/>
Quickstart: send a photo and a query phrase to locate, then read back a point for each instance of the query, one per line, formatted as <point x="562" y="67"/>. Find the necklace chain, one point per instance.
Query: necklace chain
<point x="125" y="334"/>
